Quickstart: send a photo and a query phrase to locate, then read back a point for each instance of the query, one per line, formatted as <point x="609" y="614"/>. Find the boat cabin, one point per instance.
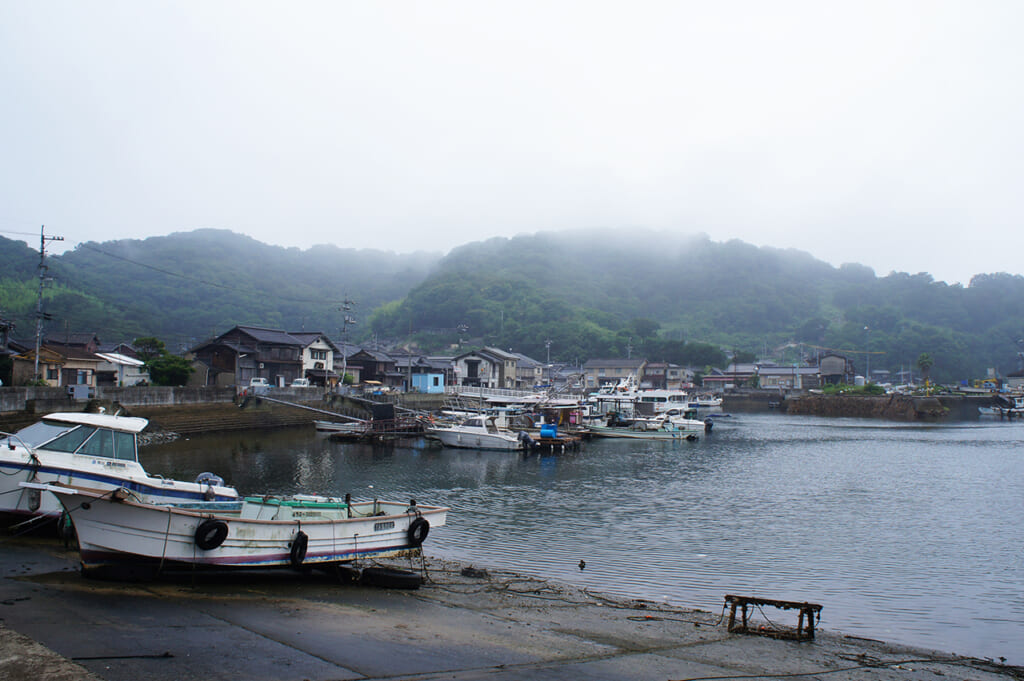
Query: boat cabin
<point x="109" y="437"/>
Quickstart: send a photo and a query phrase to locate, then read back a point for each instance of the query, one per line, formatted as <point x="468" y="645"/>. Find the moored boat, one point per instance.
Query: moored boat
<point x="478" y="432"/>
<point x="661" y="428"/>
<point x="117" y="527"/>
<point x="98" y="450"/>
<point x="705" y="402"/>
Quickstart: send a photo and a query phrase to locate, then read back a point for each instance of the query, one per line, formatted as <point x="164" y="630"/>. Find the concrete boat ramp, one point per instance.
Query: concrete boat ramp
<point x="463" y="623"/>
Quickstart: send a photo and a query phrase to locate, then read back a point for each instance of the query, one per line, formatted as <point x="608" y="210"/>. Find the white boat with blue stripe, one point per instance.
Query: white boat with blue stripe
<point x="99" y="451"/>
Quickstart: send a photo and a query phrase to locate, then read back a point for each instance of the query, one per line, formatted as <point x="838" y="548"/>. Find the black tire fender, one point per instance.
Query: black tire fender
<point x="211" y="533"/>
<point x="418" y="531"/>
<point x="298" y="551"/>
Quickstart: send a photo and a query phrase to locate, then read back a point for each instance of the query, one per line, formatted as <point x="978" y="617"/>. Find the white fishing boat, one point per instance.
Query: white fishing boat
<point x="661" y="428"/>
<point x="117" y="527"/>
<point x="705" y="402"/>
<point x="478" y="432"/>
<point x="1009" y="406"/>
<point x="349" y="427"/>
<point x="687" y="419"/>
<point x="660" y="401"/>
<point x="98" y="450"/>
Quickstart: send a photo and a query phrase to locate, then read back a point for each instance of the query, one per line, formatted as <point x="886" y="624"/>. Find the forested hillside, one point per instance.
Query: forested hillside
<point x="601" y="293"/>
<point x="192" y="285"/>
<point x="576" y="295"/>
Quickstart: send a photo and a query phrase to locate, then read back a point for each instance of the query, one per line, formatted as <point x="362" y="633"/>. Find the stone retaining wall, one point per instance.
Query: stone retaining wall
<point x="891" y="407"/>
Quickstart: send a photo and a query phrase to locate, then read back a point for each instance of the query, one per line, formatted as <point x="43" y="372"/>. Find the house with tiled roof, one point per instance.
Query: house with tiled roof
<point x="486" y="368"/>
<point x="735" y="375"/>
<point x="59" y="366"/>
<point x="376" y="366"/>
<point x="247" y="352"/>
<point x="317" y="357"/>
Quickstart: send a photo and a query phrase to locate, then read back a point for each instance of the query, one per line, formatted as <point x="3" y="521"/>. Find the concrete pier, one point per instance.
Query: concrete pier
<point x="461" y="624"/>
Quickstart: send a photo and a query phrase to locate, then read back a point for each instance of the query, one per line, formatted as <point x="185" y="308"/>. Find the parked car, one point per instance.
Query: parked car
<point x="301" y="383"/>
<point x="258" y="385"/>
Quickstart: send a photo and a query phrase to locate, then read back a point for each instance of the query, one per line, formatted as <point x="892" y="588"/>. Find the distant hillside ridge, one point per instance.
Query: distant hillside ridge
<point x="563" y="296"/>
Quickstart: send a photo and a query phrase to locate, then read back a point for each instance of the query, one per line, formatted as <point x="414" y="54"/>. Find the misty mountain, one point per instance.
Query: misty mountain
<point x="191" y="285"/>
<point x="573" y="295"/>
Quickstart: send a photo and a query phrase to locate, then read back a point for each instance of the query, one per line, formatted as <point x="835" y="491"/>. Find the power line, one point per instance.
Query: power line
<point x="5" y="231"/>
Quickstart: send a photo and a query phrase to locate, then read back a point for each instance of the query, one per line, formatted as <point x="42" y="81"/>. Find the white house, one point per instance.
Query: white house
<point x="120" y="370"/>
<point x="317" y="357"/>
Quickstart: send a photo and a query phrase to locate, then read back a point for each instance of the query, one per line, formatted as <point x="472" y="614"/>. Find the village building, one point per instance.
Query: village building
<point x="422" y="374"/>
<point x="375" y="367"/>
<point x="117" y="369"/>
<point x="736" y="375"/>
<point x="529" y="372"/>
<point x="787" y="378"/>
<point x="486" y="368"/>
<point x="59" y="366"/>
<point x="601" y="372"/>
<point x="246" y="352"/>
<point x="665" y="376"/>
<point x="317" y="358"/>
<point x="835" y="369"/>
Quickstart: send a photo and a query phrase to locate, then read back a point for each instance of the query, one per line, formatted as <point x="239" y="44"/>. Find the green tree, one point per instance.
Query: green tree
<point x="169" y="370"/>
<point x="924" y="364"/>
<point x="149" y="348"/>
<point x="645" y="328"/>
<point x="743" y="356"/>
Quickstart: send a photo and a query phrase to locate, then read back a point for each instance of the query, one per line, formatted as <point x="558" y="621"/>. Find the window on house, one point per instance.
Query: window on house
<point x="318" y="354"/>
<point x="52" y="374"/>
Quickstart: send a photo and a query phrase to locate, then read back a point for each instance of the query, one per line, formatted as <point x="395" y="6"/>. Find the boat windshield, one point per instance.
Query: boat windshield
<point x="79" y="439"/>
<point x="41" y="432"/>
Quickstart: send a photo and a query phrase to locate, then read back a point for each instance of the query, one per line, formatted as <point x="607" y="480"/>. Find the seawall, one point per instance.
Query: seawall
<point x="193" y="410"/>
<point x="891" y="407"/>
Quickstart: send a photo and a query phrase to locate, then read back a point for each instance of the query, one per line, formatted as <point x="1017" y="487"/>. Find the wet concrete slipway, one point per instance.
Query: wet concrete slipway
<point x="57" y="625"/>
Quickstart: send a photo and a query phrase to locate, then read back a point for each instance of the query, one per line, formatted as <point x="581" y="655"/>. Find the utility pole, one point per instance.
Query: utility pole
<point x="345" y="307"/>
<point x="867" y="355"/>
<point x="39" y="301"/>
<point x="547" y="346"/>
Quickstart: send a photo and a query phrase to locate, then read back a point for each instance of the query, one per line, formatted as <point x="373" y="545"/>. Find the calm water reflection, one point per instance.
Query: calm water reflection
<point x="907" y="533"/>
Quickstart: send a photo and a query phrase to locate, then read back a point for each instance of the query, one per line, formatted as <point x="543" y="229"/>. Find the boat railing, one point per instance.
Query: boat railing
<point x="11" y="437"/>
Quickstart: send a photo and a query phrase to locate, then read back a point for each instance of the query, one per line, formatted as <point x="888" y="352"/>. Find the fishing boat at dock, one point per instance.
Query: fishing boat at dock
<point x="659" y="428"/>
<point x="98" y="450"/>
<point x="118" y="527"/>
<point x="478" y="432"/>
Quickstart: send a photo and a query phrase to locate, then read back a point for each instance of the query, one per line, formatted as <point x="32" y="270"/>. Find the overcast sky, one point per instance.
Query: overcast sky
<point x="886" y="133"/>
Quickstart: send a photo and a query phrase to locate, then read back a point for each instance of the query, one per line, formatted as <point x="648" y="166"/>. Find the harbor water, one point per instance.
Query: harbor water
<point x="908" y="533"/>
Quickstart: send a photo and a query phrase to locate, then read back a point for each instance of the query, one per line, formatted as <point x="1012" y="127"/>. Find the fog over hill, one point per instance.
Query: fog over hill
<point x="590" y="293"/>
